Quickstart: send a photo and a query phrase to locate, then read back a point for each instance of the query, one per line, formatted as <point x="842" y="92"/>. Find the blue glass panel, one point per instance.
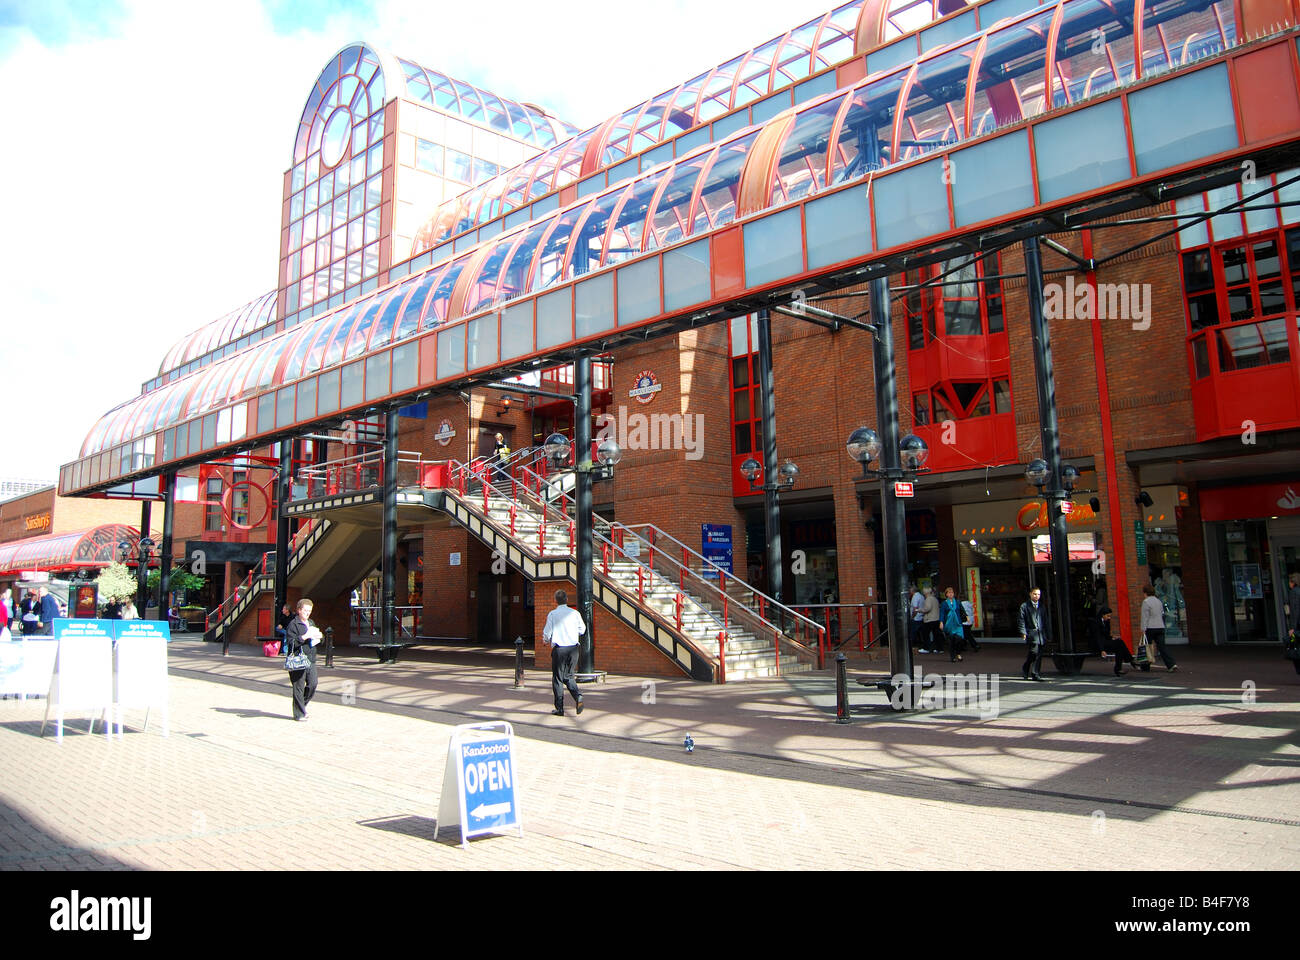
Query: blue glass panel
<point x="686" y="275"/>
<point x="590" y="241"/>
<point x="815" y="87"/>
<point x="451" y="351"/>
<point x="995" y="10"/>
<point x="595" y="305"/>
<point x="517" y="330"/>
<point x="773" y="248"/>
<point x="410" y="318"/>
<point x="354" y="375"/>
<point x="555" y="318"/>
<point x="406" y="366"/>
<point x="514" y="279"/>
<point x="1081" y="151"/>
<point x="728" y="125"/>
<point x="948" y="32"/>
<point x="894" y="55"/>
<point x="638" y="291"/>
<point x="910" y="204"/>
<point x="591" y="185"/>
<point x="377" y="375"/>
<point x="327" y="393"/>
<point x="839" y="228"/>
<point x="483" y="341"/>
<point x="1183" y="119"/>
<point x="765" y="110"/>
<point x="688" y="142"/>
<point x="992" y="178"/>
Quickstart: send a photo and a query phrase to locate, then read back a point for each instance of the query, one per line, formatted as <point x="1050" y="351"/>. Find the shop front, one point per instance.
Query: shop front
<point x="1252" y="544"/>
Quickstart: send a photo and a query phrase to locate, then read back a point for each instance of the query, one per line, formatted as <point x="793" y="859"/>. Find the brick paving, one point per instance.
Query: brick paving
<point x="1152" y="771"/>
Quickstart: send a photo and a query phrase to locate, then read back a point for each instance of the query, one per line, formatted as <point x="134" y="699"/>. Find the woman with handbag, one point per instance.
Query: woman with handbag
<point x="1291" y="640"/>
<point x="300" y="642"/>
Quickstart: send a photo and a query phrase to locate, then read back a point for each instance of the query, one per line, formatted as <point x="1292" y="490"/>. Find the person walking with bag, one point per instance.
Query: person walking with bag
<point x="1035" y="628"/>
<point x="951" y="620"/>
<point x="931" y="631"/>
<point x="1291" y="641"/>
<point x="1153" y="625"/>
<point x="301" y="639"/>
<point x="968" y="625"/>
<point x="563" y="628"/>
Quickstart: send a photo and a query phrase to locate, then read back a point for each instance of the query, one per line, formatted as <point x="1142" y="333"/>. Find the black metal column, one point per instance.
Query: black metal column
<point x="893" y="513"/>
<point x="283" y="490"/>
<point x="142" y="558"/>
<point x="1050" y="435"/>
<point x="165" y="552"/>
<point x="771" y="496"/>
<point x="583" y="505"/>
<point x="388" y="561"/>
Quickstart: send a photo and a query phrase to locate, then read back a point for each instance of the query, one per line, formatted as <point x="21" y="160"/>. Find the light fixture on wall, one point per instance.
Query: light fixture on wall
<point x="503" y="406"/>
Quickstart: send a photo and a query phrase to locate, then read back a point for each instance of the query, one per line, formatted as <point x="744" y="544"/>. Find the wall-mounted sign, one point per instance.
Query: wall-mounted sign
<point x="717" y="544"/>
<point x="647" y="385"/>
<point x="1140" y="539"/>
<point x="975" y="596"/>
<point x="454" y="560"/>
<point x="444" y="433"/>
<point x="37" y="521"/>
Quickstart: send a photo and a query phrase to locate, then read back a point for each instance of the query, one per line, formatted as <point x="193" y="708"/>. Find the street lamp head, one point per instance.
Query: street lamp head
<point x="1069" y="476"/>
<point x="147" y="545"/>
<point x="750" y="469"/>
<point x="123" y="549"/>
<point x="609" y="453"/>
<point x="1037" y="472"/>
<point x="556" y="448"/>
<point x="863" y="445"/>
<point x="789" y="473"/>
<point x="913" y="452"/>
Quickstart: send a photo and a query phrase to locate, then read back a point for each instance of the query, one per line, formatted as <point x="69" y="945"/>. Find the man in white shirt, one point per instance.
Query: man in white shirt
<point x="916" y="603"/>
<point x="563" y="628"/>
<point x="1153" y="625"/>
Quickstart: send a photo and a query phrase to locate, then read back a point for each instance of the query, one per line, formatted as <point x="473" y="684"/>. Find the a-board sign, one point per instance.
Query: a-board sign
<point x="480" y="781"/>
<point x="27" y="666"/>
<point x="142" y="628"/>
<point x="141" y="676"/>
<point x="83" y="672"/>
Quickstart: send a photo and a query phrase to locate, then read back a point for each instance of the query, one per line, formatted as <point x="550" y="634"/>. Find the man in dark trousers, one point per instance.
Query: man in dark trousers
<point x="563" y="628"/>
<point x="1035" y="628"/>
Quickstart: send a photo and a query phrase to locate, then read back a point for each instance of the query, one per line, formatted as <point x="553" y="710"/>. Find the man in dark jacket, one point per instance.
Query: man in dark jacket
<point x="1035" y="628"/>
<point x="48" y="611"/>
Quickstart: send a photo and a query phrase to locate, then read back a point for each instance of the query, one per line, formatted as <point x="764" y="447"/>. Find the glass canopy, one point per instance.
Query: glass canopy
<point x="96" y="547"/>
<point x="221" y="333"/>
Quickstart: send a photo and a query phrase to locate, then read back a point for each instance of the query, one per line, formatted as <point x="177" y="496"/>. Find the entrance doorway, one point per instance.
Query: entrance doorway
<point x="1287" y="551"/>
<point x="491" y="608"/>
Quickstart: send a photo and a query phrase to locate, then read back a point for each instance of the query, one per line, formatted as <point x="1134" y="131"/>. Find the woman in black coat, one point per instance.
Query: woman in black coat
<point x="301" y="636"/>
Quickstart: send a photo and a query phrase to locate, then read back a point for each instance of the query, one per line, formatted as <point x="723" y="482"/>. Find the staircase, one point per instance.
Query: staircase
<point x="715" y="626"/>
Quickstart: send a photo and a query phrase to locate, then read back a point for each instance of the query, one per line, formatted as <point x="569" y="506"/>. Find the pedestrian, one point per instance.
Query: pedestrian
<point x="1153" y="625"/>
<point x="951" y="620"/>
<point x="1035" y="628"/>
<point x="1099" y="634"/>
<point x="1292" y="607"/>
<point x="916" y="603"/>
<point x="563" y="628"/>
<point x="968" y="624"/>
<point x="48" y="611"/>
<point x="931" y="631"/>
<point x="301" y="639"/>
<point x="30" y="613"/>
<point x="128" y="611"/>
<point x="7" y="601"/>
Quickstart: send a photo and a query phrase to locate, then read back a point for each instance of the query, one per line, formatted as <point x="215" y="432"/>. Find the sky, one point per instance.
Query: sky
<point x="145" y="141"/>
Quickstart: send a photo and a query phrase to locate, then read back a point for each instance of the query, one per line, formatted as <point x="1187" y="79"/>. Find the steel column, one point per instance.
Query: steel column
<point x="583" y="504"/>
<point x="893" y="525"/>
<point x="283" y="488"/>
<point x="388" y="556"/>
<point x="771" y="494"/>
<point x="165" y="552"/>
<point x="1050" y="435"/>
<point x="142" y="561"/>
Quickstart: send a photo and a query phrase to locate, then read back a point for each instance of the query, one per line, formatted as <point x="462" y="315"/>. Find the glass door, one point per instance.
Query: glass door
<point x="1248" y="586"/>
<point x="1287" y="552"/>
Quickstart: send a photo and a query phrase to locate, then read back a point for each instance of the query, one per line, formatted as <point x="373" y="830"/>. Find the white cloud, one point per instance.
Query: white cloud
<point x="143" y="169"/>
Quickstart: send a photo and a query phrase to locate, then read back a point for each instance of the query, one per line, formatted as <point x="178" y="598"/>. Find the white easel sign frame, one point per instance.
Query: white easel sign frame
<point x="27" y="667"/>
<point x="83" y="674"/>
<point x="141" y="676"/>
<point x="480" y="783"/>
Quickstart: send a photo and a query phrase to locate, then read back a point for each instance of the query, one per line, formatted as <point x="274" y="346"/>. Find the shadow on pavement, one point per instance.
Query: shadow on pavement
<point x="28" y="843"/>
<point x="252" y="714"/>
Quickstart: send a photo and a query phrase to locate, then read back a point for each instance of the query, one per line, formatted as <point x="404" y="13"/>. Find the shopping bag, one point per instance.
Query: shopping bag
<point x="271" y="648"/>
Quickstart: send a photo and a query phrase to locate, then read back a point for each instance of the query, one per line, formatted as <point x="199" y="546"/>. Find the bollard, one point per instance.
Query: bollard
<point x="519" y="663"/>
<point x="841" y="689"/>
<point x="329" y="646"/>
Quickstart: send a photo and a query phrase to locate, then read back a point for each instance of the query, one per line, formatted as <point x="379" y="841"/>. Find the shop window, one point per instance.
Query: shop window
<point x="921" y="409"/>
<point x="1001" y="396"/>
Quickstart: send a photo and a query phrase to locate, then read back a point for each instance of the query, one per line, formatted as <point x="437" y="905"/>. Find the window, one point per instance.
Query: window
<point x="212" y="509"/>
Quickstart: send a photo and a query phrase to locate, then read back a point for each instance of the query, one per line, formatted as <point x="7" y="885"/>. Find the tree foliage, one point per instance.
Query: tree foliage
<point x="181" y="579"/>
<point x="117" y="583"/>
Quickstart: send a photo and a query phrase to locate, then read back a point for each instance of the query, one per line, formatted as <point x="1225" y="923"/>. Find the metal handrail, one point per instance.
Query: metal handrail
<point x="864" y="613"/>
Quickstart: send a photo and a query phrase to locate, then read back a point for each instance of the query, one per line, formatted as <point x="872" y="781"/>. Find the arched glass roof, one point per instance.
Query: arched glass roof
<point x="1018" y="69"/>
<point x="212" y="336"/>
<point x="96" y="547"/>
<point x="820" y="43"/>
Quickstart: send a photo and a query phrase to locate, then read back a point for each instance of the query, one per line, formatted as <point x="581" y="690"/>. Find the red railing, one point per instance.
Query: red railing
<point x="858" y="618"/>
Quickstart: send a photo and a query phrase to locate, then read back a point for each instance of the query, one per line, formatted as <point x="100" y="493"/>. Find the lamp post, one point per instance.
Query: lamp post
<point x="143" y="551"/>
<point x="864" y="445"/>
<point x="1059" y="505"/>
<point x="783" y="478"/>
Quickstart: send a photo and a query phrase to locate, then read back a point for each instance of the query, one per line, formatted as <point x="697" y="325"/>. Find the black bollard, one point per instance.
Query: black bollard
<point x="329" y="646"/>
<point x="519" y="663"/>
<point x="841" y="689"/>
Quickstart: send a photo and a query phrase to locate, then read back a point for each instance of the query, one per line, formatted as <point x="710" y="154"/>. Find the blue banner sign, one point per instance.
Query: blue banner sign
<point x="717" y="544"/>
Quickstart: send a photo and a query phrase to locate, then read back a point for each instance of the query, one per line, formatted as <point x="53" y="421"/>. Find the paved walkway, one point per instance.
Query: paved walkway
<point x="1153" y="771"/>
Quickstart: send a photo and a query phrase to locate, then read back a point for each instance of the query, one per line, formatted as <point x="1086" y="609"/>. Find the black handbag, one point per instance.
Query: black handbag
<point x="296" y="660"/>
<point x="1291" y="646"/>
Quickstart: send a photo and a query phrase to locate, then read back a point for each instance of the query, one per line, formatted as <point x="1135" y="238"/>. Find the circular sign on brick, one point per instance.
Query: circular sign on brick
<point x="444" y="433"/>
<point x="647" y="385"/>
